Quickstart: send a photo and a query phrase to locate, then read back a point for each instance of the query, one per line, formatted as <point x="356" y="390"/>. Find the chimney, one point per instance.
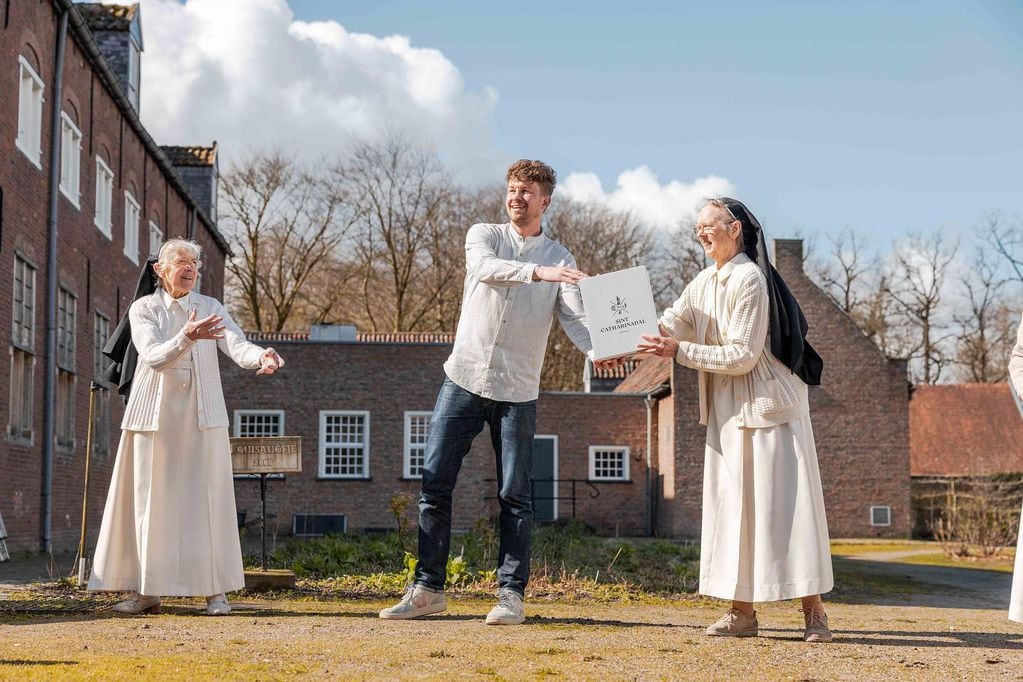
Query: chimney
<point x="118" y="33"/>
<point x="788" y="256"/>
<point x="199" y="171"/>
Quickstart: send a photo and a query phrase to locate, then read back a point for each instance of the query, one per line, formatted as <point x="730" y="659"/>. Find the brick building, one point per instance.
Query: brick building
<point x="112" y="196"/>
<point x="965" y="443"/>
<point x="362" y="403"/>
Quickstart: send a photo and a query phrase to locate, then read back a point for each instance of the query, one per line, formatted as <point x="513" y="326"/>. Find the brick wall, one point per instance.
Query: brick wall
<point x="389" y="379"/>
<point x="91" y="266"/>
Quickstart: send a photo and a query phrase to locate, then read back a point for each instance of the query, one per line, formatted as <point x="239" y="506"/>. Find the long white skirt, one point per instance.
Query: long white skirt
<point x="1016" y="600"/>
<point x="169" y="526"/>
<point x="764" y="535"/>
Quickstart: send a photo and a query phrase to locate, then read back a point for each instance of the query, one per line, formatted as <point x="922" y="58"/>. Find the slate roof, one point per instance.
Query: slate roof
<point x="100" y="17"/>
<point x="964" y="430"/>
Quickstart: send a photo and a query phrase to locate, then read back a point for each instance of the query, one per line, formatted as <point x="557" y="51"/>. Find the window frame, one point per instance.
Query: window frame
<point x="35" y="135"/>
<point x="886" y="507"/>
<point x="155" y="227"/>
<point x="106" y="176"/>
<point x="238" y="414"/>
<point x="25" y="395"/>
<point x="66" y="358"/>
<point x="64" y="420"/>
<point x="624" y="450"/>
<point x="406" y="464"/>
<point x="73" y="192"/>
<point x="17" y="333"/>
<point x="132" y="208"/>
<point x="323" y="445"/>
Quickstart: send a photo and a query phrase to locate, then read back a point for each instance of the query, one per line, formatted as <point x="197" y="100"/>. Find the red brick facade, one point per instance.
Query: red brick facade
<point x="90" y="265"/>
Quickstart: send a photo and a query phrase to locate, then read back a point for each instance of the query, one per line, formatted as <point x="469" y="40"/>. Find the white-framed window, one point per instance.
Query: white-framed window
<point x="155" y="239"/>
<point x="252" y="423"/>
<point x="67" y="312"/>
<point x="101" y="405"/>
<point x="609" y="463"/>
<point x="417" y="430"/>
<point x="104" y="198"/>
<point x="23" y="333"/>
<point x="134" y="73"/>
<point x="131" y="227"/>
<point x="344" y="444"/>
<point x="19" y="417"/>
<point x="30" y="113"/>
<point x="70" y="159"/>
<point x="881" y="515"/>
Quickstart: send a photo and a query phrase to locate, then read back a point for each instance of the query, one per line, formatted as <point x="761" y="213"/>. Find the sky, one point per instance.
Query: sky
<point x="887" y="117"/>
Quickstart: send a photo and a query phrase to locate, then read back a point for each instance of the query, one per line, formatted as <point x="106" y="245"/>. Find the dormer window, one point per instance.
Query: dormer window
<point x="134" y="70"/>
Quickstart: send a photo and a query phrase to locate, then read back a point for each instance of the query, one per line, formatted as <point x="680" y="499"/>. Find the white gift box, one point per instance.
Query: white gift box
<point x="619" y="310"/>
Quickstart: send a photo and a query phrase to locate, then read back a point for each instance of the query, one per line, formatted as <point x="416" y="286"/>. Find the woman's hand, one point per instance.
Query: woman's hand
<point x="270" y="362"/>
<point x="207" y="328"/>
<point x="664" y="346"/>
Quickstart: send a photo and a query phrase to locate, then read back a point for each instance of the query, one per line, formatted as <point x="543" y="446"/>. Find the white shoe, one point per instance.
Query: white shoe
<point x="217" y="605"/>
<point x="509" y="610"/>
<point x="138" y="604"/>
<point x="419" y="600"/>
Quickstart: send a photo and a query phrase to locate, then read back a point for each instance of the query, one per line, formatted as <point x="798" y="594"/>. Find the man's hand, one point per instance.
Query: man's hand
<point x="206" y="328"/>
<point x="604" y="365"/>
<point x="664" y="346"/>
<point x="557" y="273"/>
<point x="270" y="362"/>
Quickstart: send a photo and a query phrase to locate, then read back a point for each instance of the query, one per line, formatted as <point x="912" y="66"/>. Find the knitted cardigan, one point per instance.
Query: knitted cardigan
<point x="159" y="349"/>
<point x="767" y="392"/>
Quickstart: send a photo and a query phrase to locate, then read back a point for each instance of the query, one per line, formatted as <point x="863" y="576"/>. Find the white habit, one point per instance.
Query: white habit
<point x="1016" y="384"/>
<point x="170" y="526"/>
<point x="764" y="534"/>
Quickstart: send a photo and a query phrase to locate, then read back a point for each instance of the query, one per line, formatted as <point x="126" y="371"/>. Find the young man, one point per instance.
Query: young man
<point x="517" y="279"/>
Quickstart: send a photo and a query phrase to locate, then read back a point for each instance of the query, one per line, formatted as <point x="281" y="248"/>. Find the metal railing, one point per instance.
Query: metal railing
<point x="575" y="494"/>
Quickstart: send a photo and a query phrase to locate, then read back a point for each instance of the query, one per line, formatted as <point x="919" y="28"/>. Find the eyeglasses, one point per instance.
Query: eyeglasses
<point x="183" y="262"/>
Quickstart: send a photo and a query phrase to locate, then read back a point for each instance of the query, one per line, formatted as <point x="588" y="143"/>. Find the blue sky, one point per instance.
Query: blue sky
<point x="884" y="116"/>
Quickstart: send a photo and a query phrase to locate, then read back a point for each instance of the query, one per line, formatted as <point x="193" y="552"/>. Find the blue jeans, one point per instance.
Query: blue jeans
<point x="458" y="418"/>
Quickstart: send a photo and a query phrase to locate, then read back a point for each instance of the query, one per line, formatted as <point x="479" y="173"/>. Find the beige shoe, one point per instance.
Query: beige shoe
<point x="419" y="600"/>
<point x="509" y="610"/>
<point x="138" y="604"/>
<point x="816" y="620"/>
<point x="735" y="623"/>
<point x="217" y="605"/>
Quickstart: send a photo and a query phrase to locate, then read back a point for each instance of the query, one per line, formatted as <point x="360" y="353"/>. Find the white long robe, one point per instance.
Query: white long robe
<point x="765" y="533"/>
<point x="170" y="524"/>
<point x="1016" y="383"/>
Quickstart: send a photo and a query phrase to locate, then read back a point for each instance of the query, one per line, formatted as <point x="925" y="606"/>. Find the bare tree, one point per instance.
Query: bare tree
<point x="986" y="331"/>
<point x="1006" y="238"/>
<point x="403" y="191"/>
<point x="284" y="222"/>
<point x="844" y="275"/>
<point x="918" y="289"/>
<point x="675" y="260"/>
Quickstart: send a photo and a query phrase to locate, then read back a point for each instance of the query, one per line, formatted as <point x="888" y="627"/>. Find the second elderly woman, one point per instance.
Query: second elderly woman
<point x="764" y="532"/>
<point x="170" y="526"/>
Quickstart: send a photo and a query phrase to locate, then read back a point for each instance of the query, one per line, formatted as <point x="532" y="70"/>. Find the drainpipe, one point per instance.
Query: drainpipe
<point x="651" y="402"/>
<point x="49" y="404"/>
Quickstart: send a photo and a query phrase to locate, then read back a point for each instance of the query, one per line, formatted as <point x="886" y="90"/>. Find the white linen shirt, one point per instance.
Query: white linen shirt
<point x="157" y="331"/>
<point x="1016" y="363"/>
<point x="506" y="316"/>
<point x="734" y="301"/>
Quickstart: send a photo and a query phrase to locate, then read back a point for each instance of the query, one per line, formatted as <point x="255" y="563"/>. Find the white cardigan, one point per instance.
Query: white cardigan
<point x="1016" y="363"/>
<point x="159" y="346"/>
<point x="768" y="392"/>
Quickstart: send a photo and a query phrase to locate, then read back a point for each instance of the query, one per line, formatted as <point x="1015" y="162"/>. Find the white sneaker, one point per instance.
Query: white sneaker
<point x="509" y="610"/>
<point x="419" y="600"/>
<point x="217" y="605"/>
<point x="138" y="604"/>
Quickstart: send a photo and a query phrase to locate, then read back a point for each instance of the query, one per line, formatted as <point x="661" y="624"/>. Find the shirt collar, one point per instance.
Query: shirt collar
<point x="725" y="270"/>
<point x="168" y="300"/>
<point x="519" y="239"/>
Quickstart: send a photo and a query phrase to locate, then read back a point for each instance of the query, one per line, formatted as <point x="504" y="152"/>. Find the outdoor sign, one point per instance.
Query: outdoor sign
<point x="267" y="455"/>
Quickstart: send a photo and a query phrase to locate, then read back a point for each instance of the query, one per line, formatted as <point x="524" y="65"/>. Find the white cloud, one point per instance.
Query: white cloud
<point x="639" y="192"/>
<point x="248" y="74"/>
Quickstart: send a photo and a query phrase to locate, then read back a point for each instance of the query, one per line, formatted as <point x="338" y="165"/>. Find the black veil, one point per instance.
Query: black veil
<point x="787" y="324"/>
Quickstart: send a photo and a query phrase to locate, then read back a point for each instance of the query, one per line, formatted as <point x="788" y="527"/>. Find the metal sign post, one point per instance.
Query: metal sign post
<point x="265" y="455"/>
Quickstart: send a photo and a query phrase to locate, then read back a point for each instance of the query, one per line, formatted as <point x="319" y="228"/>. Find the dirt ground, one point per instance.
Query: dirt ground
<point x="891" y="621"/>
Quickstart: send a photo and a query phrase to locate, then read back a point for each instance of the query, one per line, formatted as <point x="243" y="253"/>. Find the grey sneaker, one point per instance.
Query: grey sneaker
<point x="735" y="623"/>
<point x="419" y="600"/>
<point x="509" y="609"/>
<point x="816" y="620"/>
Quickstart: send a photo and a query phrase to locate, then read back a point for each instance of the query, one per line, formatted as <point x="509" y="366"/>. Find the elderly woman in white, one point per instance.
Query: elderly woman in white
<point x="169" y="526"/>
<point x="764" y="532"/>
<point x="1016" y="383"/>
